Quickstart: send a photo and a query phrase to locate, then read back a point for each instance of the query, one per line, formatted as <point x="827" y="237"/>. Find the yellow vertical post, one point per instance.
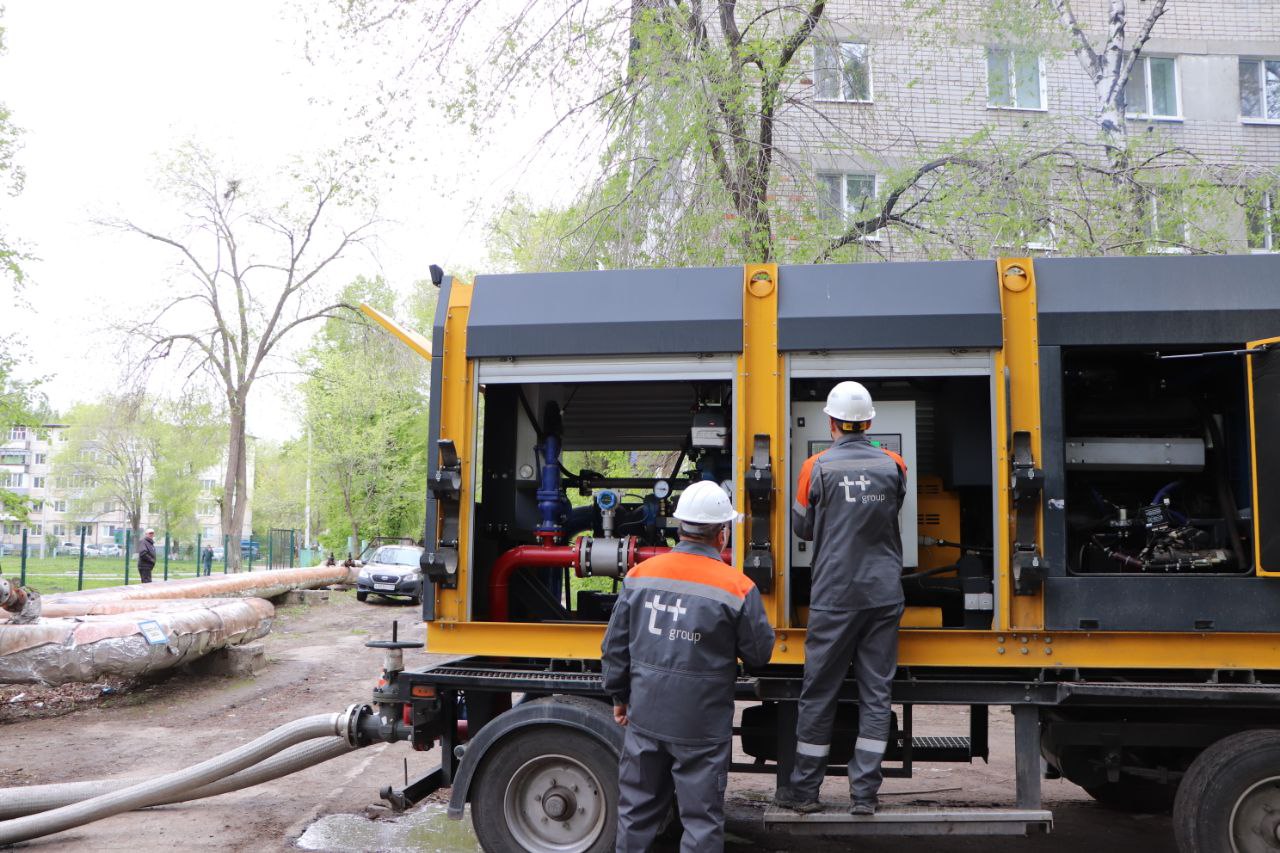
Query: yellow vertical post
<point x="457" y="423"/>
<point x="1020" y="360"/>
<point x="759" y="410"/>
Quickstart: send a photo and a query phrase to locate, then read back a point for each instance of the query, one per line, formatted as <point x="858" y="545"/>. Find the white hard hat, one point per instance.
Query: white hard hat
<point x="850" y="401"/>
<point x="705" y="503"/>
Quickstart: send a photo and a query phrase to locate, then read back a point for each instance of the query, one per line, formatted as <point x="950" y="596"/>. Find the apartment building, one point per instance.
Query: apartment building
<point x="1208" y="81"/>
<point x="26" y="457"/>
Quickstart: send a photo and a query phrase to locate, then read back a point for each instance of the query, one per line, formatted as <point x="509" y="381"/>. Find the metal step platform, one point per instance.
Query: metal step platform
<point x="910" y="820"/>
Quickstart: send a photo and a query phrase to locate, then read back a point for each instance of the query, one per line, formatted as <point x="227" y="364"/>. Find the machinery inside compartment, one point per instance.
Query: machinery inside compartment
<point x="941" y="426"/>
<point x="577" y="483"/>
<point x="1156" y="463"/>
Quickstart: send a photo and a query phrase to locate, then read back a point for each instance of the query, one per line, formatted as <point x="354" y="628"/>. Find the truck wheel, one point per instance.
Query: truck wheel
<point x="547" y="788"/>
<point x="1134" y="795"/>
<point x="1230" y="798"/>
<point x="362" y="596"/>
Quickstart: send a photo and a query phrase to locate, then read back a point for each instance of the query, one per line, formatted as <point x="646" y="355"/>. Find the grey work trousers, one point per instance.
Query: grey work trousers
<point x="834" y="637"/>
<point x="651" y="771"/>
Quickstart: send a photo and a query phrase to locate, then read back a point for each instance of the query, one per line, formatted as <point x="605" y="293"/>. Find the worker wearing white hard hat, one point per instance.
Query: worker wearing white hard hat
<point x="669" y="659"/>
<point x="847" y="502"/>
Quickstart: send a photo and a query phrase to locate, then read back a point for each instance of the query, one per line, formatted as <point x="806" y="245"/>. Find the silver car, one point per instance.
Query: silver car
<point x="391" y="571"/>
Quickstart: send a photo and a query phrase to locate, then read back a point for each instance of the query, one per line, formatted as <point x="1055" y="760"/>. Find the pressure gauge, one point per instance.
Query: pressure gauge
<point x="661" y="489"/>
<point x="607" y="500"/>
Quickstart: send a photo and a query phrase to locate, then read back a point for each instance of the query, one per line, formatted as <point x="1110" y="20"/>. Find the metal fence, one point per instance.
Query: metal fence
<point x="76" y="565"/>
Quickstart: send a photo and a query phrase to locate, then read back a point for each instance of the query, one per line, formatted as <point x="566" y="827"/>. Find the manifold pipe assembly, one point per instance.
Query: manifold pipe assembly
<point x="624" y="553"/>
<point x="33" y="799"/>
<point x="153" y="791"/>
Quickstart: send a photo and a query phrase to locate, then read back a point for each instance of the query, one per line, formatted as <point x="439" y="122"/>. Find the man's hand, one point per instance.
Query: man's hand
<point x="620" y="714"/>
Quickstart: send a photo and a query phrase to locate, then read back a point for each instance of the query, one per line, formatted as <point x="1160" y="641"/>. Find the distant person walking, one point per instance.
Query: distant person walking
<point x="147" y="555"/>
<point x="206" y="557"/>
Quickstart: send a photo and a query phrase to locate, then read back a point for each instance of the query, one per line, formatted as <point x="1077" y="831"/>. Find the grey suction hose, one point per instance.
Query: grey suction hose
<point x="33" y="799"/>
<point x="154" y="790"/>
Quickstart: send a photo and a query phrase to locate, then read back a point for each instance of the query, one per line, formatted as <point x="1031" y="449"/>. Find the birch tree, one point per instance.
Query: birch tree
<point x="252" y="270"/>
<point x="1109" y="61"/>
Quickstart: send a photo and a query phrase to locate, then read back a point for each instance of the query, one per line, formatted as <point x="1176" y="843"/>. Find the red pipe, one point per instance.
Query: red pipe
<point x="523" y="557"/>
<point x="551" y="557"/>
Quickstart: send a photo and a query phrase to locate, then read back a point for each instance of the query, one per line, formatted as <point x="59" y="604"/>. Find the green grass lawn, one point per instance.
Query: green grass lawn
<point x="62" y="574"/>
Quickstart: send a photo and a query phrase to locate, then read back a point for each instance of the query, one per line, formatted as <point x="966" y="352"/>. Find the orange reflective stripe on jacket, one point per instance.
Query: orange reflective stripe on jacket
<point x="694" y="568"/>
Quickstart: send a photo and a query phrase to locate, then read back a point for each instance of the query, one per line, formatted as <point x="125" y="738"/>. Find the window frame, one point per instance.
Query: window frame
<point x="1013" y="80"/>
<point x="1157" y="245"/>
<point x="1270" y="199"/>
<point x="844" y="215"/>
<point x="1262" y="89"/>
<point x="839" y="44"/>
<point x="1145" y="59"/>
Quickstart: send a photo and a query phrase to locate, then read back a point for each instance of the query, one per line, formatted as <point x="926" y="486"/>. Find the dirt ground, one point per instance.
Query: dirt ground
<point x="317" y="663"/>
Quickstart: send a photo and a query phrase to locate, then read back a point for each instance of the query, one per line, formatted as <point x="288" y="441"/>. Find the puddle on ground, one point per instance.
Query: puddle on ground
<point x="427" y="830"/>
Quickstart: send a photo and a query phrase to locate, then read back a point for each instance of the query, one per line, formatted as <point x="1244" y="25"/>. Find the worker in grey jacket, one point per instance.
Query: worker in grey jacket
<point x="847" y="501"/>
<point x="669" y="657"/>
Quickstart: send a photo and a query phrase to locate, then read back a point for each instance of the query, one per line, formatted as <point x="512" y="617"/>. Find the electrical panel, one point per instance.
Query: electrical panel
<point x="894" y="428"/>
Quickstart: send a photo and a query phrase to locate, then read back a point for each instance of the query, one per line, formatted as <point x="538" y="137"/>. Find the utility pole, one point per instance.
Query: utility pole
<point x="306" y="536"/>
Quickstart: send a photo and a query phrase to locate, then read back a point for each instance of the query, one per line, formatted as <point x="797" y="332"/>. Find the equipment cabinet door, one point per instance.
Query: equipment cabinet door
<point x="1264" y="414"/>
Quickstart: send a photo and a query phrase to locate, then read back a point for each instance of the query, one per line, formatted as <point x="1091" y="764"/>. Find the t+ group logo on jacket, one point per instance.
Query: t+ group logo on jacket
<point x="862" y="482"/>
<point x="655" y="606"/>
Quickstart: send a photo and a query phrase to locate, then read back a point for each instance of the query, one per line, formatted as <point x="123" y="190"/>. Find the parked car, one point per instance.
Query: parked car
<point x="110" y="549"/>
<point x="392" y="571"/>
<point x="219" y="554"/>
<point x="92" y="551"/>
<point x="249" y="549"/>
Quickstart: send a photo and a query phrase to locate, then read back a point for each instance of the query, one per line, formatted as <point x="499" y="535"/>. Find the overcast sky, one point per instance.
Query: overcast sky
<point x="106" y="91"/>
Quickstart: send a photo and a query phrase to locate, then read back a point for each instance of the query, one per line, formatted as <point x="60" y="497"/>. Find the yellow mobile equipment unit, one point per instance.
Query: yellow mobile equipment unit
<point x="1091" y="535"/>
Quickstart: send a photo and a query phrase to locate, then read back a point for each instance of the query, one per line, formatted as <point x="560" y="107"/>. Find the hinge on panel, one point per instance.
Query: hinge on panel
<point x="758" y="564"/>
<point x="440" y="560"/>
<point x="1027" y="564"/>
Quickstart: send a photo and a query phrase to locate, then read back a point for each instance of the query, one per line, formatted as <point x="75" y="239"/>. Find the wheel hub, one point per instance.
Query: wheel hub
<point x="1255" y="820"/>
<point x="559" y="803"/>
<point x="555" y="803"/>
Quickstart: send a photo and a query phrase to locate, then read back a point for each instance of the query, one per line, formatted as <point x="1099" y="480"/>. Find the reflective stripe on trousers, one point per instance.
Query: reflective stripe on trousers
<point x="868" y="638"/>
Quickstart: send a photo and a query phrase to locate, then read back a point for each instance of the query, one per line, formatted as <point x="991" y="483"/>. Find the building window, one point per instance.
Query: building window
<point x="18" y="433"/>
<point x="58" y="529"/>
<point x="842" y="72"/>
<point x="207" y="485"/>
<point x="41" y="458"/>
<point x="10" y="480"/>
<point x="1167" y="220"/>
<point x="207" y="508"/>
<point x="37" y="530"/>
<point x="1152" y="91"/>
<point x="37" y="482"/>
<point x="153" y="509"/>
<point x="60" y="506"/>
<point x="844" y="197"/>
<point x="1015" y="79"/>
<point x="84" y="529"/>
<point x="1262" y="220"/>
<point x="13" y="457"/>
<point x="1260" y="89"/>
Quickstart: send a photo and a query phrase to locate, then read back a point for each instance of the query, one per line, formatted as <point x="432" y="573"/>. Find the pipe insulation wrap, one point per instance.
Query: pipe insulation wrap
<point x="154" y="790"/>
<point x="33" y="799"/>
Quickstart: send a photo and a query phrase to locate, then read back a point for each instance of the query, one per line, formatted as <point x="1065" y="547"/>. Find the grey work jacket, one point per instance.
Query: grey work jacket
<point x="847" y="502"/>
<point x="681" y="622"/>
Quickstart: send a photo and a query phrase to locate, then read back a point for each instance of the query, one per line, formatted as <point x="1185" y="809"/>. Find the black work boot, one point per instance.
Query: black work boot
<point x="864" y="808"/>
<point x="788" y="799"/>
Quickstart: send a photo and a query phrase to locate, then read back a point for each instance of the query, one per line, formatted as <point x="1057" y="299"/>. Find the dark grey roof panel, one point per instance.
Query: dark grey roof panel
<point x="612" y="312"/>
<point x="1201" y="299"/>
<point x="888" y="306"/>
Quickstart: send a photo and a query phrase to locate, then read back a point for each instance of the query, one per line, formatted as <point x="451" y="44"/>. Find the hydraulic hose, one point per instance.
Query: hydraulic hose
<point x="33" y="799"/>
<point x="154" y="790"/>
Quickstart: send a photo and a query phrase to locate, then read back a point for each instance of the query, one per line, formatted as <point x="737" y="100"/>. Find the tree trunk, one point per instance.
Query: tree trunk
<point x="242" y="491"/>
<point x="235" y="427"/>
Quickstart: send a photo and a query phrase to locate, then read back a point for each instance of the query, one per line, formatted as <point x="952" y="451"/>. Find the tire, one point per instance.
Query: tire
<point x="362" y="596"/>
<point x="510" y="802"/>
<point x="416" y="601"/>
<point x="1229" y="800"/>
<point x="1141" y="796"/>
